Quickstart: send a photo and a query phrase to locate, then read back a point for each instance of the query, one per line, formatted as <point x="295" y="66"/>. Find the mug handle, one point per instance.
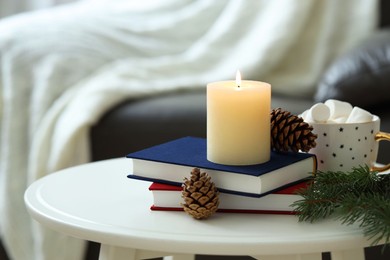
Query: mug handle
<point x="380" y="136"/>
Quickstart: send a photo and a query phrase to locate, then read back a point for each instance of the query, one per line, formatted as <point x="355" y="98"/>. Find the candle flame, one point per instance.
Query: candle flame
<point x="238" y="78"/>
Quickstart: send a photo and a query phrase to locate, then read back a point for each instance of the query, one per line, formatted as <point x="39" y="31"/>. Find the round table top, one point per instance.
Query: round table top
<point x="97" y="202"/>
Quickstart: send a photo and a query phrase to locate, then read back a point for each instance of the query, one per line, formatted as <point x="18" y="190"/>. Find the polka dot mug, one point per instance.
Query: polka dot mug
<point x="342" y="146"/>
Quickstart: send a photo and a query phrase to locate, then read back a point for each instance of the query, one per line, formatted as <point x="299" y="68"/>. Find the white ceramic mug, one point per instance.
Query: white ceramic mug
<point x="342" y="146"/>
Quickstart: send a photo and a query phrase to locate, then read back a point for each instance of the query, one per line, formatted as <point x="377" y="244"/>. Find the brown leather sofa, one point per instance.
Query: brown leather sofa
<point x="361" y="77"/>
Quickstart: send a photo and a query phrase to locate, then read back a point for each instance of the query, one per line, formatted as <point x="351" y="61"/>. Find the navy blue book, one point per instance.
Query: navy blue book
<point x="172" y="161"/>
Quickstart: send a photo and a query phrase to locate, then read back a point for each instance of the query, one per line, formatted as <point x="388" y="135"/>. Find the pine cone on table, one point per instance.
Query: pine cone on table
<point x="200" y="195"/>
<point x="290" y="132"/>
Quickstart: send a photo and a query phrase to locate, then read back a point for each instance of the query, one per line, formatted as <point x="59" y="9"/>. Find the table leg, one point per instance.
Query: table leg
<point x="108" y="252"/>
<point x="355" y="254"/>
<point x="180" y="257"/>
<point x="313" y="256"/>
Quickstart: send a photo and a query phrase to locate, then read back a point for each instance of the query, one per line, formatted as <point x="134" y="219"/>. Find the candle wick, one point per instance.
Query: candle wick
<point x="238" y="86"/>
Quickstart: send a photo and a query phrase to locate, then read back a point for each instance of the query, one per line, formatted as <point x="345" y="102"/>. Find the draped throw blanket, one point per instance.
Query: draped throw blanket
<point x="10" y="7"/>
<point x="61" y="69"/>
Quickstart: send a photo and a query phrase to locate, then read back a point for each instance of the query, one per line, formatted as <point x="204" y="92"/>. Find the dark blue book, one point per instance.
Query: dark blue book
<point x="171" y="162"/>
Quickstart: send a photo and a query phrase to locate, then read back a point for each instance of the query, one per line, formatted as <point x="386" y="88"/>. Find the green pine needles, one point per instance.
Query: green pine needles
<point x="360" y="196"/>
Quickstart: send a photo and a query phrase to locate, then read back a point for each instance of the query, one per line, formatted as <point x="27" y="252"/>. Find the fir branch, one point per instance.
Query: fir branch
<point x="373" y="213"/>
<point x="359" y="196"/>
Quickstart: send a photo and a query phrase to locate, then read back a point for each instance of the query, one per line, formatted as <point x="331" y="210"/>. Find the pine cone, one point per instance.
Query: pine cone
<point x="200" y="195"/>
<point x="290" y="132"/>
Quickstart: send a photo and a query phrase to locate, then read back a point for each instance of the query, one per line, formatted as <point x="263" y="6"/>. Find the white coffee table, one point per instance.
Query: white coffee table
<point x="97" y="202"/>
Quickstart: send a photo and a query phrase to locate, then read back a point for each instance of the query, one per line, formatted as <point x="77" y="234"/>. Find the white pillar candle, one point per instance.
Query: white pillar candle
<point x="238" y="122"/>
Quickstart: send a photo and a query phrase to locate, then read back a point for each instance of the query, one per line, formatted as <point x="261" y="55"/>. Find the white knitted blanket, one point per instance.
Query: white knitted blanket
<point x="62" y="69"/>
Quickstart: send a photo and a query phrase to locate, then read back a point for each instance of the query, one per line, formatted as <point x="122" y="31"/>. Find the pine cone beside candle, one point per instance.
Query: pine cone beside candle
<point x="200" y="195"/>
<point x="290" y="132"/>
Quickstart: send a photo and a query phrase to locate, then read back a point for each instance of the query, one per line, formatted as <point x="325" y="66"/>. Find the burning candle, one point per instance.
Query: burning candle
<point x="238" y="122"/>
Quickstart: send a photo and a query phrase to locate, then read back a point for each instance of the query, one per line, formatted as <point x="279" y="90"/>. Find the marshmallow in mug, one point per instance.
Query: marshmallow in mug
<point x="335" y="111"/>
<point x="346" y="136"/>
<point x="359" y="115"/>
<point x="338" y="109"/>
<point x="317" y="113"/>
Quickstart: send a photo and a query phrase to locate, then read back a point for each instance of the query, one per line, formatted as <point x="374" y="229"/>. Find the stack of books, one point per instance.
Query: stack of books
<point x="264" y="188"/>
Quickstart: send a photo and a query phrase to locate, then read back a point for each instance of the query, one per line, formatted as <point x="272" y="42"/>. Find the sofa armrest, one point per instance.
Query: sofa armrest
<point x="362" y="76"/>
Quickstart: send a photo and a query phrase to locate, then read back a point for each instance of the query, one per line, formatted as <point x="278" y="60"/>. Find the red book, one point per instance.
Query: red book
<point x="168" y="198"/>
